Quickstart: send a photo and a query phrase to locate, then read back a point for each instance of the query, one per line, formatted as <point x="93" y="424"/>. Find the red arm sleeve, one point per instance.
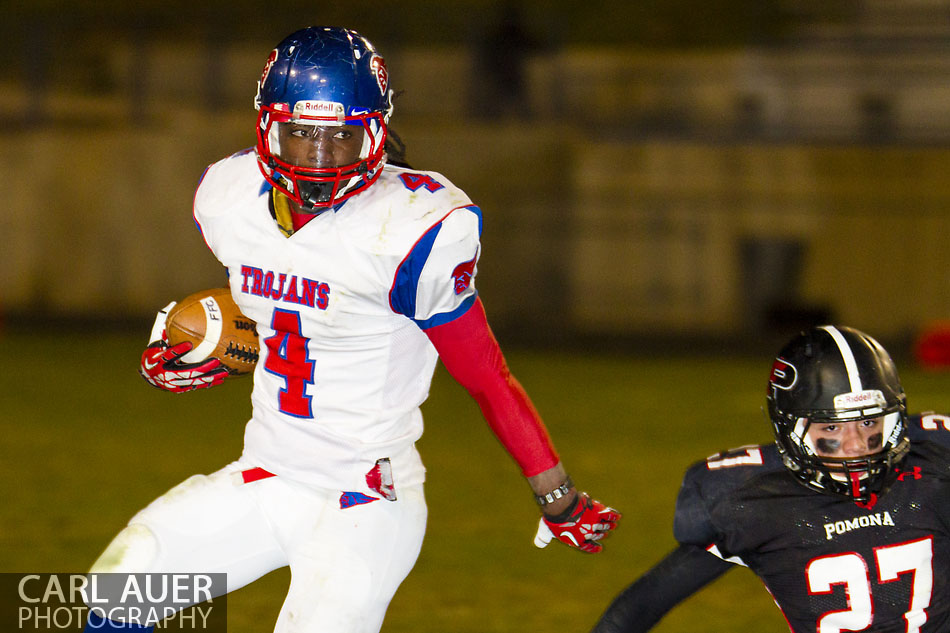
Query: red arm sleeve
<point x="471" y="354"/>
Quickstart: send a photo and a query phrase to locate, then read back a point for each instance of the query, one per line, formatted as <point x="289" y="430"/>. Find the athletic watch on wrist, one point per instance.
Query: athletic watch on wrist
<point x="557" y="493"/>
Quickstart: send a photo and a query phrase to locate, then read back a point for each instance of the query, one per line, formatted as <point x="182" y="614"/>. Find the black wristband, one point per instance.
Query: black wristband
<point x="567" y="514"/>
<point x="557" y="493"/>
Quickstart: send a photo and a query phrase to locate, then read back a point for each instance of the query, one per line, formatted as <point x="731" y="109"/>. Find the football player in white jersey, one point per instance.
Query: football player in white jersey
<point x="359" y="272"/>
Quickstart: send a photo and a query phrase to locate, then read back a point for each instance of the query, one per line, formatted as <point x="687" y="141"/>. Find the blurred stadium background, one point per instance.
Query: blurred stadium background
<point x="669" y="190"/>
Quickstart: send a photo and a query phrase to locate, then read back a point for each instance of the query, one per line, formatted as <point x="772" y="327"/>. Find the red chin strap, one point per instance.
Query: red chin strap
<point x="855" y="484"/>
<point x="856" y="491"/>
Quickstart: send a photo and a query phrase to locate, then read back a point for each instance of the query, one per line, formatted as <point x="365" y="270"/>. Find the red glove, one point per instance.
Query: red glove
<point x="162" y="368"/>
<point x="582" y="526"/>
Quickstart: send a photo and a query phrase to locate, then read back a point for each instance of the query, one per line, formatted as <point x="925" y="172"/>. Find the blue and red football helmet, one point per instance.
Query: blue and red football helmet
<point x="324" y="76"/>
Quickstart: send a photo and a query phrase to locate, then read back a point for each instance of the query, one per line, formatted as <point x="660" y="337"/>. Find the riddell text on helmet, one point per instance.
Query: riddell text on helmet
<point x="320" y="109"/>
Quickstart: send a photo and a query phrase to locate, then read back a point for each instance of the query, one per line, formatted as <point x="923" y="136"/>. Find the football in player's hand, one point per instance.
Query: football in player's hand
<point x="214" y="325"/>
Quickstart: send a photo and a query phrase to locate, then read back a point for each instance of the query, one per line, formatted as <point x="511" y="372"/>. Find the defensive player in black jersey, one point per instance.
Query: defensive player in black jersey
<point x="845" y="518"/>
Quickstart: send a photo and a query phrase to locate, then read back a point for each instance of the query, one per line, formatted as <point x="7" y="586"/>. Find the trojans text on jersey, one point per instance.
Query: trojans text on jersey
<point x="283" y="287"/>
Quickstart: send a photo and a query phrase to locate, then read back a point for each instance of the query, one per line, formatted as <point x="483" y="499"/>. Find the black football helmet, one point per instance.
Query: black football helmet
<point x="837" y="374"/>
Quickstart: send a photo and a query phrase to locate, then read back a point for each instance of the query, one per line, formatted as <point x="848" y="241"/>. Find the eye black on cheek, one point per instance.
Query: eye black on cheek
<point x="825" y="445"/>
<point x="876" y="441"/>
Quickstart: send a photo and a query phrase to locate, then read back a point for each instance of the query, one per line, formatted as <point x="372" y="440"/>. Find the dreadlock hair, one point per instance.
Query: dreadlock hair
<point x="394" y="147"/>
<point x="396" y="150"/>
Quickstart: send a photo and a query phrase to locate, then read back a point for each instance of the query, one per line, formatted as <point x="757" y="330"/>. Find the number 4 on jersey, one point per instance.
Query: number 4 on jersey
<point x="414" y="181"/>
<point x="287" y="357"/>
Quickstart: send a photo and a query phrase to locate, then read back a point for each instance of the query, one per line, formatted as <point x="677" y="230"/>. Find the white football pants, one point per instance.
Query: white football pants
<point x="345" y="564"/>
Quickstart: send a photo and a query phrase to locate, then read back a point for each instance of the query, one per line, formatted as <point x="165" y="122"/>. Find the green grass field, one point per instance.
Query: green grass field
<point x="86" y="443"/>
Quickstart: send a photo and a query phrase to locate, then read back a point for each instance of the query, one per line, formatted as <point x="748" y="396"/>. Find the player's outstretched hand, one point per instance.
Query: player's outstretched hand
<point x="582" y="526"/>
<point x="161" y="365"/>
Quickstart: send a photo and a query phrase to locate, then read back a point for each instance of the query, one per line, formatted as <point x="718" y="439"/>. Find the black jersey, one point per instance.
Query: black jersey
<point x="830" y="563"/>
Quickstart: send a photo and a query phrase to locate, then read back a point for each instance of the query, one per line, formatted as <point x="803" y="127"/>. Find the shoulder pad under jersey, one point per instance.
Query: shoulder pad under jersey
<point x="231" y="181"/>
<point x="709" y="480"/>
<point x="929" y="426"/>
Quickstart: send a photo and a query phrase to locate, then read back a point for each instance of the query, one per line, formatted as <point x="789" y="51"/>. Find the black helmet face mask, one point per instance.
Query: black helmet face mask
<point x="831" y="469"/>
<point x="831" y="386"/>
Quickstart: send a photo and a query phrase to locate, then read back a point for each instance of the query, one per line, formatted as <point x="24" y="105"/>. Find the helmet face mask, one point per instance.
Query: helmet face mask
<point x="829" y="377"/>
<point x="328" y="77"/>
<point x="316" y="185"/>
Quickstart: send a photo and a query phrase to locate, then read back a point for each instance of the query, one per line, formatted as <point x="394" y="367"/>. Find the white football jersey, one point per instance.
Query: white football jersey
<point x="340" y="306"/>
